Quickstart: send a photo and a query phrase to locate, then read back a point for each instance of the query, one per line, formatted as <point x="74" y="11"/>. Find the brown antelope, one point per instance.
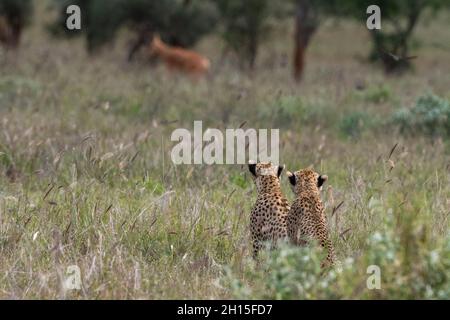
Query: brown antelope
<point x="179" y="59"/>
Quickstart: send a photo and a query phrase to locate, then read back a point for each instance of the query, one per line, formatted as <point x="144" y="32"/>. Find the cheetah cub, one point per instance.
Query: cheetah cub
<point x="268" y="220"/>
<point x="307" y="212"/>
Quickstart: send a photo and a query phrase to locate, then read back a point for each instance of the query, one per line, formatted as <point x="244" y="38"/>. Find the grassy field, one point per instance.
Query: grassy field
<point x="86" y="177"/>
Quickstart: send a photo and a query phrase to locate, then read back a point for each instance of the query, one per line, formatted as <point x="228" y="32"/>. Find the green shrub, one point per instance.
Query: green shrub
<point x="288" y="273"/>
<point x="353" y="124"/>
<point x="295" y="273"/>
<point x="154" y="186"/>
<point x="288" y="110"/>
<point x="239" y="180"/>
<point x="246" y="25"/>
<point x="377" y="94"/>
<point x="180" y="23"/>
<point x="399" y="18"/>
<point x="430" y="115"/>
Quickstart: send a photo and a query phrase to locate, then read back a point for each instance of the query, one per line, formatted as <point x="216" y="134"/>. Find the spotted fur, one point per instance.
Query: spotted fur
<point x="306" y="219"/>
<point x="268" y="220"/>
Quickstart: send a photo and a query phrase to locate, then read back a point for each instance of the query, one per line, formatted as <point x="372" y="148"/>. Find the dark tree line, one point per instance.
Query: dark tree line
<point x="14" y="16"/>
<point x="243" y="25"/>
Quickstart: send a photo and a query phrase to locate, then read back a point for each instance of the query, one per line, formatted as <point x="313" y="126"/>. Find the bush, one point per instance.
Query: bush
<point x="239" y="180"/>
<point x="378" y="94"/>
<point x="189" y="23"/>
<point x="100" y="20"/>
<point x="289" y="273"/>
<point x="430" y="115"/>
<point x="294" y="273"/>
<point x="353" y="124"/>
<point x="391" y="43"/>
<point x="179" y="22"/>
<point x="246" y="24"/>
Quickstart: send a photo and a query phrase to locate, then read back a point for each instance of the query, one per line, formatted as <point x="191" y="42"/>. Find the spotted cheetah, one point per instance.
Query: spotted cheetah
<point x="269" y="214"/>
<point x="307" y="212"/>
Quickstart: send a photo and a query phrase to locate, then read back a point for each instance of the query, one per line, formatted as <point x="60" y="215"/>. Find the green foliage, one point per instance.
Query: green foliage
<point x="16" y="8"/>
<point x="399" y="18"/>
<point x="410" y="270"/>
<point x="16" y="14"/>
<point x="295" y="273"/>
<point x="354" y="123"/>
<point x="430" y="115"/>
<point x="189" y="23"/>
<point x="287" y="273"/>
<point x="19" y="10"/>
<point x="377" y="94"/>
<point x="179" y="22"/>
<point x="246" y="24"/>
<point x="239" y="180"/>
<point x="153" y="186"/>
<point x="100" y="20"/>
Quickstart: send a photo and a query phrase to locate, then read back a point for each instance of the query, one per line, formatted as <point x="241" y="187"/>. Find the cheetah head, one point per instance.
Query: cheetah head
<point x="306" y="179"/>
<point x="265" y="174"/>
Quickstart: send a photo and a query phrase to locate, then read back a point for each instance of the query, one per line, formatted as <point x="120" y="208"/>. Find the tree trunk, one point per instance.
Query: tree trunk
<point x="10" y="32"/>
<point x="143" y="38"/>
<point x="306" y="23"/>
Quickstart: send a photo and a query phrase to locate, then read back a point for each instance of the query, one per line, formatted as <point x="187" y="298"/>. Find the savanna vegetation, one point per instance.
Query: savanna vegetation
<point x="86" y="177"/>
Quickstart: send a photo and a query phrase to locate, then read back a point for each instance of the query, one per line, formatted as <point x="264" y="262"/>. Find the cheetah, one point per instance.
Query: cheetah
<point x="268" y="220"/>
<point x="307" y="212"/>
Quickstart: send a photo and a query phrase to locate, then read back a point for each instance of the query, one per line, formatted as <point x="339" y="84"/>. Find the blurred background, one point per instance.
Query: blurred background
<point x="239" y="29"/>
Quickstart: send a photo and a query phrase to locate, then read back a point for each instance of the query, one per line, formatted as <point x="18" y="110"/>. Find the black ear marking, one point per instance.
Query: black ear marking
<point x="321" y="180"/>
<point x="252" y="168"/>
<point x="280" y="170"/>
<point x="292" y="179"/>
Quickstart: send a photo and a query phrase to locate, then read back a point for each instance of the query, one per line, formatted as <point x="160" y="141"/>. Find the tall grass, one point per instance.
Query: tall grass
<point x="86" y="177"/>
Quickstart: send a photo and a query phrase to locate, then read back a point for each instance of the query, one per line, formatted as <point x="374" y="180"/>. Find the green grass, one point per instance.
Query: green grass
<point x="86" y="177"/>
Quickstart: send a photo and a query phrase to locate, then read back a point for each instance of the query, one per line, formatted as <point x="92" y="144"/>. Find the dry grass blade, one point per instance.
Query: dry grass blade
<point x="107" y="210"/>
<point x="66" y="230"/>
<point x="343" y="233"/>
<point x="392" y="150"/>
<point x="48" y="192"/>
<point x="27" y="222"/>
<point x="134" y="157"/>
<point x="229" y="197"/>
<point x="86" y="138"/>
<point x="223" y="232"/>
<point x="336" y="208"/>
<point x="168" y="122"/>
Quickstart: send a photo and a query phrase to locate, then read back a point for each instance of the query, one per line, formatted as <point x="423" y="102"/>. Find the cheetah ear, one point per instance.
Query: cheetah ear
<point x="291" y="177"/>
<point x="280" y="170"/>
<point x="252" y="167"/>
<point x="321" y="180"/>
